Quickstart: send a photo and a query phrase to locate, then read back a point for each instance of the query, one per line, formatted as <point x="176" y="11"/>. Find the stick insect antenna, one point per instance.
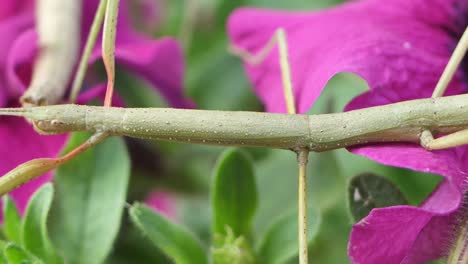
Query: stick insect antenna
<point x="13" y="111"/>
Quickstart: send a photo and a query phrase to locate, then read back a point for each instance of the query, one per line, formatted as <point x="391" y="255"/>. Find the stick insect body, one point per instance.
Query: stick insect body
<point x="399" y="122"/>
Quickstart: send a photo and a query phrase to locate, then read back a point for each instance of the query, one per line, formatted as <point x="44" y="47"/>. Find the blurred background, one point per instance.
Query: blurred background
<point x="214" y="79"/>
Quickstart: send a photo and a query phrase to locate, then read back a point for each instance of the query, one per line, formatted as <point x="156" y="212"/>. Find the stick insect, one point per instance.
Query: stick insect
<point x="411" y="121"/>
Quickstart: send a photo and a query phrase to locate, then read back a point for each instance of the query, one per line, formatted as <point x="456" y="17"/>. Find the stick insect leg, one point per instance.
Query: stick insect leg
<point x="255" y="59"/>
<point x="452" y="65"/>
<point x="37" y="167"/>
<point x="461" y="137"/>
<point x="93" y="33"/>
<point x="95" y="139"/>
<point x="452" y="140"/>
<point x="279" y="37"/>
<point x="108" y="47"/>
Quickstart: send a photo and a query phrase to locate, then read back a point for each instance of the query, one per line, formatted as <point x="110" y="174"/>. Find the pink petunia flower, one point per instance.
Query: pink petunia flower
<point x="164" y="203"/>
<point x="159" y="62"/>
<point x="400" y="48"/>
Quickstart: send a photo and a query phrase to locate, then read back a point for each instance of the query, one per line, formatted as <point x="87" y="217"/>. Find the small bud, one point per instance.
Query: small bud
<point x="229" y="249"/>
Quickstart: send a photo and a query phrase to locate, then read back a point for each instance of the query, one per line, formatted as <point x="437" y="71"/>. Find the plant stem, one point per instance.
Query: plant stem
<point x="303" y="156"/>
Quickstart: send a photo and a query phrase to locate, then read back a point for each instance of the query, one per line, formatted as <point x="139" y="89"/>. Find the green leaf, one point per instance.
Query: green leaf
<point x="14" y="254"/>
<point x="280" y="243"/>
<point x="3" y="243"/>
<point x="91" y="193"/>
<point x="215" y="75"/>
<point x="3" y="259"/>
<point x="325" y="186"/>
<point x="234" y="193"/>
<point x="34" y="234"/>
<point x="173" y="240"/>
<point x="368" y="191"/>
<point x="12" y="220"/>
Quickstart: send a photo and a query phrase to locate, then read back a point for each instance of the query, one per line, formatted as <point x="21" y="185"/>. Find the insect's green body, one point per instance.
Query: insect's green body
<point x="399" y="122"/>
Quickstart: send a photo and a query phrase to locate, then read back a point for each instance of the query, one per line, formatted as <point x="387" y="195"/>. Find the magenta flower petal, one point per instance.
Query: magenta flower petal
<point x="10" y="30"/>
<point x="407" y="234"/>
<point x="14" y="7"/>
<point x="450" y="163"/>
<point x="21" y="143"/>
<point x="163" y="203"/>
<point x="402" y="225"/>
<point x="381" y="223"/>
<point x="400" y="44"/>
<point x="20" y="62"/>
<point x="99" y="92"/>
<point x="149" y="16"/>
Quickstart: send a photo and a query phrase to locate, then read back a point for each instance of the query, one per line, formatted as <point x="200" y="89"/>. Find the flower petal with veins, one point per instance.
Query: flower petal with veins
<point x="401" y="46"/>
